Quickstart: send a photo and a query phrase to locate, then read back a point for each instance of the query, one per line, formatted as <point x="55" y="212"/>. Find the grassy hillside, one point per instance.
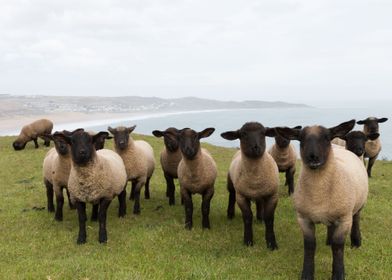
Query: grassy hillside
<point x="155" y="244"/>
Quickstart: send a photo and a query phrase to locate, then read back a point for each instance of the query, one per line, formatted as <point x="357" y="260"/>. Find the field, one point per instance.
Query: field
<point x="155" y="244"/>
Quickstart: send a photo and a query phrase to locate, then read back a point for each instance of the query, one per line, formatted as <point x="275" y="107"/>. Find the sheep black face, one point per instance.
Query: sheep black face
<point x="356" y="140"/>
<point x="59" y="143"/>
<point x="100" y="142"/>
<point x="189" y="141"/>
<point x="18" y="146"/>
<point x="121" y="136"/>
<point x="282" y="142"/>
<point x="252" y="138"/>
<point x="315" y="141"/>
<point x="169" y="138"/>
<point x="371" y="124"/>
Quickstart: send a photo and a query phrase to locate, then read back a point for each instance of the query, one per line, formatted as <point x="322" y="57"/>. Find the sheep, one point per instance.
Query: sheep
<point x="253" y="175"/>
<point x="170" y="158"/>
<point x="372" y="147"/>
<point x="355" y="141"/>
<point x="285" y="157"/>
<point x="100" y="142"/>
<point x="332" y="189"/>
<point x="138" y="157"/>
<point x="95" y="177"/>
<point x="32" y="131"/>
<point x="197" y="173"/>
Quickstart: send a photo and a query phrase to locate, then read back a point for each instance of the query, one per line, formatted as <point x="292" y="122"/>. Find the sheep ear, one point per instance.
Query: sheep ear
<point x="288" y="133"/>
<point x="100" y="135"/>
<point x="62" y="136"/>
<point x="382" y="120"/>
<point x="206" y="132"/>
<point x="157" y="133"/>
<point x="231" y="135"/>
<point x="341" y="129"/>
<point x="112" y="130"/>
<point x="132" y="128"/>
<point x="361" y="122"/>
<point x="270" y="132"/>
<point x="49" y="136"/>
<point x="373" y="136"/>
<point x="109" y="137"/>
<point x="297" y="127"/>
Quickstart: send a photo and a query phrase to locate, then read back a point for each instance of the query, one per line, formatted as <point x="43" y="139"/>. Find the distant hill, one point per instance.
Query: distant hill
<point x="14" y="105"/>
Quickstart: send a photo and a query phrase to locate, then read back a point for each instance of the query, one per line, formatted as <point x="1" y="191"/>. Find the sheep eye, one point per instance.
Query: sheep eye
<point x="244" y="134"/>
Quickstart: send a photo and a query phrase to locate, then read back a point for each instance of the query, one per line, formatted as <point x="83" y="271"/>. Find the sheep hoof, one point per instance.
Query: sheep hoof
<point x="81" y="240"/>
<point x="230" y="215"/>
<point x="356" y="243"/>
<point x="103" y="239"/>
<point x="248" y="243"/>
<point x="272" y="246"/>
<point x="188" y="226"/>
<point x="136" y="211"/>
<point x="58" y="218"/>
<point x="147" y="196"/>
<point x="51" y="209"/>
<point x="206" y="226"/>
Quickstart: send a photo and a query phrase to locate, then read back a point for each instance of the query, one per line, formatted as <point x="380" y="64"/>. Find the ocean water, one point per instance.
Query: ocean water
<point x="225" y="120"/>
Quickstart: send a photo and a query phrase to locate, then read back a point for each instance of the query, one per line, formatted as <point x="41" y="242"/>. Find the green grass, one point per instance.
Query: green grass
<point x="155" y="244"/>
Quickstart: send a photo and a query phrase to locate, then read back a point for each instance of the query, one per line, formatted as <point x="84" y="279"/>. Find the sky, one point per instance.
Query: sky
<point x="271" y="50"/>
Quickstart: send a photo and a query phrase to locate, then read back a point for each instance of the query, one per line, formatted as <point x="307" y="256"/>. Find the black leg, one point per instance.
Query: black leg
<point x="170" y="189"/>
<point x="132" y="194"/>
<point x="231" y="205"/>
<point x="81" y="207"/>
<point x="188" y="205"/>
<point x="247" y="217"/>
<point x="205" y="207"/>
<point x="59" y="206"/>
<point x="290" y="179"/>
<point x="338" y="258"/>
<point x="370" y="165"/>
<point x="356" y="239"/>
<point x="103" y="207"/>
<point x="94" y="213"/>
<point x="136" y="206"/>
<point x="330" y="231"/>
<point x="269" y="214"/>
<point x="147" y="189"/>
<point x="122" y="209"/>
<point x="35" y="143"/>
<point x="260" y="210"/>
<point x="309" y="251"/>
<point x="71" y="205"/>
<point x="49" y="195"/>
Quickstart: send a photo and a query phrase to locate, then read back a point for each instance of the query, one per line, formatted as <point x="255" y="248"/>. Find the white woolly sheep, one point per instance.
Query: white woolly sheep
<point x="95" y="177"/>
<point x="253" y="175"/>
<point x="372" y="147"/>
<point x="196" y="173"/>
<point x="285" y="156"/>
<point x="332" y="189"/>
<point x="31" y="132"/>
<point x="138" y="157"/>
<point x="170" y="158"/>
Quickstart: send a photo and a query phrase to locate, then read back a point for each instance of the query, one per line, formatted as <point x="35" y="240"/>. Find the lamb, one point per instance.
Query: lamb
<point x="170" y="158"/>
<point x="196" y="173"/>
<point x="138" y="157"/>
<point x="285" y="157"/>
<point x="332" y="189"/>
<point x="372" y="147"/>
<point x="31" y="132"/>
<point x="95" y="177"/>
<point x="253" y="175"/>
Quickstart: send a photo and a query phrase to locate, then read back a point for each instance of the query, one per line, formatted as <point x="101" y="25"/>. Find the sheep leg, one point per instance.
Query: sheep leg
<point x="122" y="209"/>
<point x="259" y="210"/>
<point x="35" y="143"/>
<point x="136" y="206"/>
<point x="94" y="213"/>
<point x="187" y="196"/>
<point x="103" y="208"/>
<point x="231" y="205"/>
<point x="71" y="205"/>
<point x="46" y="140"/>
<point x="205" y="207"/>
<point x="49" y="195"/>
<point x="356" y="232"/>
<point x="147" y="189"/>
<point x="330" y="231"/>
<point x="81" y="207"/>
<point x="247" y="216"/>
<point x="290" y="179"/>
<point x="58" y="216"/>
<point x="370" y="165"/>
<point x="269" y="214"/>
<point x="132" y="194"/>
<point x="170" y="189"/>
<point x="309" y="235"/>
<point x="337" y="244"/>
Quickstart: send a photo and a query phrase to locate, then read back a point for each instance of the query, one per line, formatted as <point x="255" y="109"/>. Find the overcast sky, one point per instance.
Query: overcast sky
<point x="266" y="50"/>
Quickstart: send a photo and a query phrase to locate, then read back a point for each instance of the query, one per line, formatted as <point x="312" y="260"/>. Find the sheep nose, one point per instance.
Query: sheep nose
<point x="82" y="152"/>
<point x="122" y="142"/>
<point x="313" y="157"/>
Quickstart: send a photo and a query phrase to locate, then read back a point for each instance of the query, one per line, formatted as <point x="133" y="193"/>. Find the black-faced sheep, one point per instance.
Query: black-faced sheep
<point x="138" y="157"/>
<point x="196" y="173"/>
<point x="332" y="189"/>
<point x="95" y="177"/>
<point x="253" y="175"/>
<point x="170" y="158"/>
<point x="355" y="141"/>
<point x="373" y="147"/>
<point x="285" y="157"/>
<point x="31" y="132"/>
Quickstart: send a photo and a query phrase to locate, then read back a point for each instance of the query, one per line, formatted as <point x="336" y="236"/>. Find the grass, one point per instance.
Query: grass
<point x="155" y="244"/>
